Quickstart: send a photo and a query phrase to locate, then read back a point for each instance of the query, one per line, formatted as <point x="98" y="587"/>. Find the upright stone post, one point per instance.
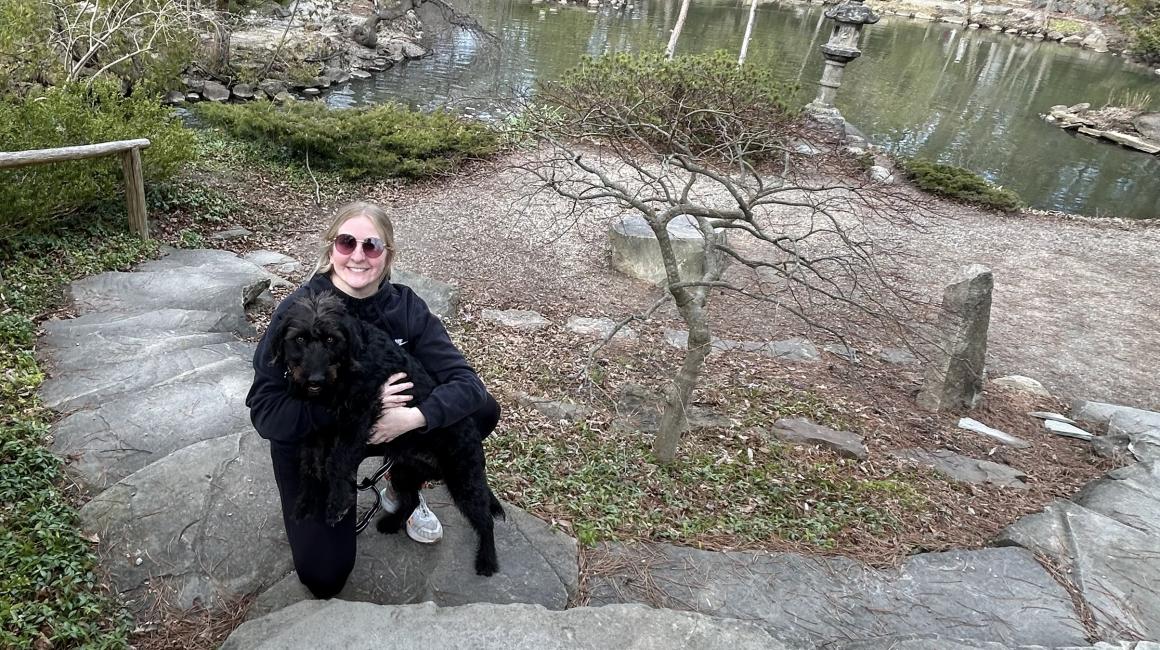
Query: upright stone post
<point x="842" y="48"/>
<point x="955" y="377"/>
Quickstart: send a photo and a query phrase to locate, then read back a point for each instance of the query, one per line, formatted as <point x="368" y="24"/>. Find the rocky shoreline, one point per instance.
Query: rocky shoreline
<point x="298" y="50"/>
<point x="1134" y="129"/>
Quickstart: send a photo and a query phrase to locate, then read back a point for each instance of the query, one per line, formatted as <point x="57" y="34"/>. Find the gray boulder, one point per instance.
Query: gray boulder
<point x="1148" y="124"/>
<point x="636" y="253"/>
<point x="244" y="91"/>
<point x="362" y="626"/>
<point x="803" y="431"/>
<point x="993" y="595"/>
<point x="1023" y="384"/>
<point x="198" y="526"/>
<point x="215" y="92"/>
<point x="967" y="470"/>
<point x="537" y="565"/>
<point x="441" y="298"/>
<point x="224" y="292"/>
<point x="518" y="319"/>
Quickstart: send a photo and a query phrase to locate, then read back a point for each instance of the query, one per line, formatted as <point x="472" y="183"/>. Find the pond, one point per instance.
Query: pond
<point x="965" y="97"/>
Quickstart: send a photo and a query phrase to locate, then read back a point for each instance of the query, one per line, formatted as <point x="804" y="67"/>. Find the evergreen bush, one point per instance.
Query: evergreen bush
<point x="705" y="104"/>
<point x="375" y="141"/>
<point x="1141" y="21"/>
<point x="959" y="184"/>
<point x="33" y="198"/>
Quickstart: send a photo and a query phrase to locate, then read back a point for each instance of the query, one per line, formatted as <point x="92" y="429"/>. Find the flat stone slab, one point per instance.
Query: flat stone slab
<point x="1113" y="565"/>
<point x="554" y="409"/>
<point x="518" y="319"/>
<point x="1119" y="419"/>
<point x="208" y="260"/>
<point x="274" y="262"/>
<point x="104" y="444"/>
<point x="965" y="469"/>
<point x="636" y="253"/>
<point x="599" y="328"/>
<point x="363" y="626"/>
<point x="60" y="333"/>
<point x="1048" y="415"/>
<point x="803" y="431"/>
<point x="97" y="382"/>
<point x="998" y="595"/>
<point x="441" y="298"/>
<point x="225" y="292"/>
<point x="1003" y="437"/>
<point x="537" y="565"/>
<point x="82" y="351"/>
<point x="198" y="525"/>
<point x="1065" y="429"/>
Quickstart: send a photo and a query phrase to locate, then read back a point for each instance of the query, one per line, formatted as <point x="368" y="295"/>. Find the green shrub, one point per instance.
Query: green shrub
<point x="33" y="198"/>
<point x="376" y="141"/>
<point x="705" y="104"/>
<point x="51" y="596"/>
<point x="959" y="184"/>
<point x="1141" y="20"/>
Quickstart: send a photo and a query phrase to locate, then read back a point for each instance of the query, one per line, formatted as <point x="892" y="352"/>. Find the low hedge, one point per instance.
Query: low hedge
<point x="959" y="184"/>
<point x="375" y="141"/>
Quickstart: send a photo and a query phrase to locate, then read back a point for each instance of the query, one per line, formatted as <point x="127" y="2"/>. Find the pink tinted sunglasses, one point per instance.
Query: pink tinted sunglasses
<point x="372" y="246"/>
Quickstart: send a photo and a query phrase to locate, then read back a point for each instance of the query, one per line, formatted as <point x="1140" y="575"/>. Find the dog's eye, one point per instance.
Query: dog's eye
<point x="300" y="339"/>
<point x="330" y="339"/>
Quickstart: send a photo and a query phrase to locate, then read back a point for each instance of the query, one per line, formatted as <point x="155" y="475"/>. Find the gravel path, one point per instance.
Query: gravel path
<point x="1075" y="302"/>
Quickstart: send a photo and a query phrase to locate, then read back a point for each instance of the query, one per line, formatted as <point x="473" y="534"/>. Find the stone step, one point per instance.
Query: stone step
<point x="198" y="525"/>
<point x="118" y="437"/>
<point x="1108" y="541"/>
<point x="1000" y="595"/>
<point x="538" y="565"/>
<point x="227" y="292"/>
<point x="82" y="387"/>
<point x="207" y="260"/>
<point x="359" y="626"/>
<point x="61" y="333"/>
<point x="82" y="351"/>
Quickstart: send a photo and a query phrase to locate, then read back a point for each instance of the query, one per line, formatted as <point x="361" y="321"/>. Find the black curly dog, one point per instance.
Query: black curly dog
<point x="342" y="362"/>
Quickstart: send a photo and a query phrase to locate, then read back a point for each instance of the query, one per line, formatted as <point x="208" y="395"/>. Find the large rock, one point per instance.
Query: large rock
<point x="965" y="469"/>
<point x="64" y="333"/>
<point x="1148" y="124"/>
<point x="954" y="379"/>
<point x="999" y="595"/>
<point x="636" y="253"/>
<point x="226" y="292"/>
<point x="803" y="431"/>
<point x="537" y="565"/>
<point x="362" y="626"/>
<point x="200" y="525"/>
<point x="441" y="298"/>
<point x="120" y="436"/>
<point x="1112" y="565"/>
<point x="90" y="384"/>
<point x="215" y="92"/>
<point x="1023" y="384"/>
<point x="519" y="319"/>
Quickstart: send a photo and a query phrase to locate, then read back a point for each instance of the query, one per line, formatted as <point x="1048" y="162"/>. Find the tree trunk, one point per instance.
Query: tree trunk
<point x="677" y="400"/>
<point x="969" y="12"/>
<point x="749" y="31"/>
<point x="672" y="47"/>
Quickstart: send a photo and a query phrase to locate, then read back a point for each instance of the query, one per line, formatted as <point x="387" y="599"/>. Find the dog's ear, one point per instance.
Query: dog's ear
<point x="355" y="342"/>
<point x="276" y="337"/>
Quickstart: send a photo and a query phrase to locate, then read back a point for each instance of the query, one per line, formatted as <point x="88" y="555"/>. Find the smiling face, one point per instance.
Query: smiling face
<point x="356" y="274"/>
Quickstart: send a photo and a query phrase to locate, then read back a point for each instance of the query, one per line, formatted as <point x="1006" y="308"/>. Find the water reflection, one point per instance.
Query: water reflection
<point x="966" y="97"/>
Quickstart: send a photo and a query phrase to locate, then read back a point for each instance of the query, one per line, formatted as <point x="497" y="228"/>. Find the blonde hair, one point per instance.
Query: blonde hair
<point x="382" y="224"/>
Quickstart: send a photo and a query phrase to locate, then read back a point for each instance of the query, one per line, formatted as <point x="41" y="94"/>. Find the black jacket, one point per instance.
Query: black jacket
<point x="283" y="419"/>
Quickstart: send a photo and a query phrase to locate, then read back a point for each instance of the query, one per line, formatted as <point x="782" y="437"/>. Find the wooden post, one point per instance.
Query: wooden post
<point x="135" y="192"/>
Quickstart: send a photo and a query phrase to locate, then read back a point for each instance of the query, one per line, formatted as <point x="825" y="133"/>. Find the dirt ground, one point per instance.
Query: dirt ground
<point x="1075" y="304"/>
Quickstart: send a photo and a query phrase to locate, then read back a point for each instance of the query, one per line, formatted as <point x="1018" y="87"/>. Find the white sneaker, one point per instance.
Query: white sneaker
<point x="422" y="526"/>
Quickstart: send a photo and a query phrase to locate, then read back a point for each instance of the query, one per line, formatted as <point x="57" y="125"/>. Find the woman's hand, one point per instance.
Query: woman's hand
<point x="390" y="396"/>
<point x="396" y="421"/>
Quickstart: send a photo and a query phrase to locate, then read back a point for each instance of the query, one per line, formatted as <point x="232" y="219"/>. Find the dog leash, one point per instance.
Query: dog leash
<point x="369" y="484"/>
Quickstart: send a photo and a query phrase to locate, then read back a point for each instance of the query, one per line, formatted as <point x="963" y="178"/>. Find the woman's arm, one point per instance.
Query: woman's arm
<point x="459" y="392"/>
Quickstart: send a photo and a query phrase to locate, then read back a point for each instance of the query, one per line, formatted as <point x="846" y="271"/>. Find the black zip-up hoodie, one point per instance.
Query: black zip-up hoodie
<point x="284" y="420"/>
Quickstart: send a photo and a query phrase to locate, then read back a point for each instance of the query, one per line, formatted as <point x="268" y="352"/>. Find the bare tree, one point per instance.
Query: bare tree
<point x="801" y="227"/>
<point x="671" y="48"/>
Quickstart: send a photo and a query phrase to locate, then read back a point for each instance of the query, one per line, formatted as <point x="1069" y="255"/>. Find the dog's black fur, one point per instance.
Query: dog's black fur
<point x="342" y="362"/>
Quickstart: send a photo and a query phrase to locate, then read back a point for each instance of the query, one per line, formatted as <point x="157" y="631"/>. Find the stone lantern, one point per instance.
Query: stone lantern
<point x="841" y="49"/>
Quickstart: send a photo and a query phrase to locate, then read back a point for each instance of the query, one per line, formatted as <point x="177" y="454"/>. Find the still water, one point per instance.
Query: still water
<point x="965" y="97"/>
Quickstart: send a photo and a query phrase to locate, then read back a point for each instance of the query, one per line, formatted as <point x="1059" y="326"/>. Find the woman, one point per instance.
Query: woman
<point x="355" y="263"/>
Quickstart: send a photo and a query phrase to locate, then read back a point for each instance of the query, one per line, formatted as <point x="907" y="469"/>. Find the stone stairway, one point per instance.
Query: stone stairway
<point x="152" y="376"/>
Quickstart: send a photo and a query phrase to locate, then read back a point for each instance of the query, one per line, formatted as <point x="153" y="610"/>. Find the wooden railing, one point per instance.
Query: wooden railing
<point x="130" y="153"/>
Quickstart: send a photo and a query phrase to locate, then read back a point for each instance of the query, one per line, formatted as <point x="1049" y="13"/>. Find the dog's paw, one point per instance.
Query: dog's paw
<point x="486" y="566"/>
<point x="389" y="525"/>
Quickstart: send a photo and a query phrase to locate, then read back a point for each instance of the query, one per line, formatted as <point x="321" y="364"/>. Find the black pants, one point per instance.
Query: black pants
<point x="324" y="555"/>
